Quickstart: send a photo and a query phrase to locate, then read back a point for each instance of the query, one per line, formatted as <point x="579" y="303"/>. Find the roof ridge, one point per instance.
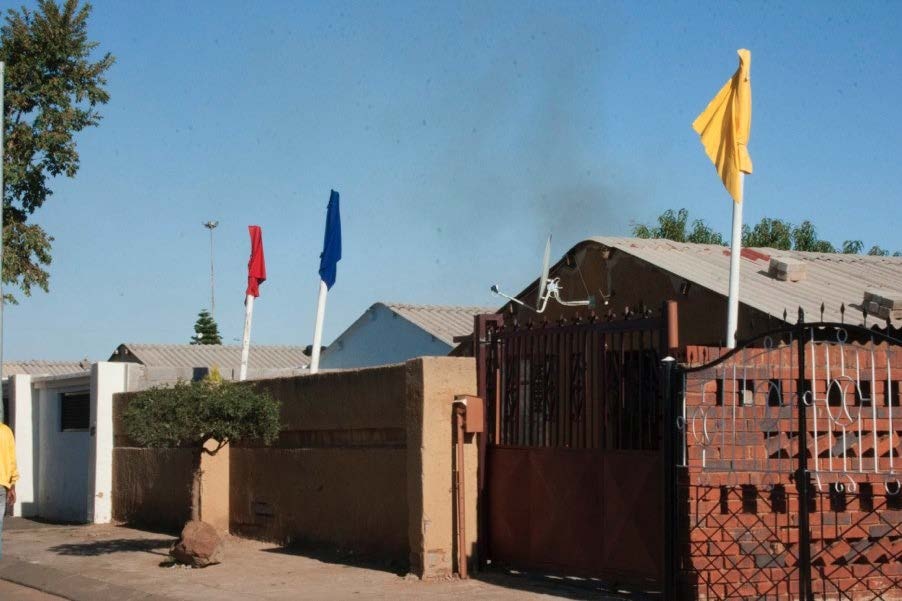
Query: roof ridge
<point x="431" y="306"/>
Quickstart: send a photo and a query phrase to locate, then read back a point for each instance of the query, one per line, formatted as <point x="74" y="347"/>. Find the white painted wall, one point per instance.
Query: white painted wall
<point x="107" y="379"/>
<point x="20" y="413"/>
<point x="67" y="476"/>
<point x="380" y="337"/>
<point x="62" y="479"/>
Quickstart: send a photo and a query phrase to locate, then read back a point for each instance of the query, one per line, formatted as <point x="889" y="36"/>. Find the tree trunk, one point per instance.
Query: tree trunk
<point x="196" y="478"/>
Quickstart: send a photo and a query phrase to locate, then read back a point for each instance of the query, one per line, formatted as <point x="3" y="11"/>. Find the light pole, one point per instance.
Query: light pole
<point x="211" y="225"/>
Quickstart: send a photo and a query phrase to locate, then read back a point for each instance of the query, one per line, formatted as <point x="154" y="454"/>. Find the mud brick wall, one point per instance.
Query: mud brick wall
<point x="738" y="535"/>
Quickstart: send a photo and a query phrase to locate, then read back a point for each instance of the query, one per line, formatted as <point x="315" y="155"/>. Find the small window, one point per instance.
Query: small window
<point x="75" y="411"/>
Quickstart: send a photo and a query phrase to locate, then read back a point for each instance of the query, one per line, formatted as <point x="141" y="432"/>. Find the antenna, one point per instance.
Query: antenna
<point x="548" y="288"/>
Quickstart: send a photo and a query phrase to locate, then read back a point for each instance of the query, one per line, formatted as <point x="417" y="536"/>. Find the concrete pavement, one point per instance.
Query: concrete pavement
<point x="107" y="563"/>
<point x="14" y="592"/>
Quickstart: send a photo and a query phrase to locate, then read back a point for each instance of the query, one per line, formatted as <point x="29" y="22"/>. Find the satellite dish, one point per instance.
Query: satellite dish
<point x="543" y="280"/>
<point x="548" y="288"/>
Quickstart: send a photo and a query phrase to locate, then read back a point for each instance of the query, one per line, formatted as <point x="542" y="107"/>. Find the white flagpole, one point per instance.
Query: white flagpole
<point x="735" y="252"/>
<point x="246" y="341"/>
<point x="318" y="329"/>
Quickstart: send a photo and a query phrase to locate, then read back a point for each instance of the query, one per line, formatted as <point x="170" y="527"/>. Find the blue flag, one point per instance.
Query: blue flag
<point x="328" y="261"/>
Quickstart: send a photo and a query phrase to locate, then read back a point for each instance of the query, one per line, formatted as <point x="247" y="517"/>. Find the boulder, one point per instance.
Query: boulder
<point x="199" y="546"/>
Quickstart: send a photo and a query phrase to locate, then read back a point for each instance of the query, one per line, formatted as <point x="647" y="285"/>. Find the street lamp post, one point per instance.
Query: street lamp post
<point x="211" y="225"/>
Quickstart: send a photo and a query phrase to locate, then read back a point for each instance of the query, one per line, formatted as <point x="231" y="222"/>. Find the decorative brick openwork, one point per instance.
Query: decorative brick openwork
<point x="739" y="507"/>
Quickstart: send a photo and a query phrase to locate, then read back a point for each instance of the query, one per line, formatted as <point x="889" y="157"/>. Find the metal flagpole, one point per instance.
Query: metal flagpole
<point x="318" y="330"/>
<point x="2" y="205"/>
<point x="735" y="252"/>
<point x="246" y="341"/>
<point x="211" y="225"/>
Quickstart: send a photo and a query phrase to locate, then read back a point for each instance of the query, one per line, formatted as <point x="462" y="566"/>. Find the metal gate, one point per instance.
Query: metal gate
<point x="571" y="461"/>
<point x="787" y="467"/>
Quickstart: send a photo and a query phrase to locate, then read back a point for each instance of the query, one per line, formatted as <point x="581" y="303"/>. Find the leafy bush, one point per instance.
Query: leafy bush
<point x="191" y="413"/>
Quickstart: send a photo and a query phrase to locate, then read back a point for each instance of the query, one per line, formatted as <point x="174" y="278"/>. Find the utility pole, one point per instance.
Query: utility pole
<point x="2" y="205"/>
<point x="211" y="225"/>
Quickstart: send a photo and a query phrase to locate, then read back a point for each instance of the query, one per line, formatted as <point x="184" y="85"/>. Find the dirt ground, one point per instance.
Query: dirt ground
<point x="112" y="562"/>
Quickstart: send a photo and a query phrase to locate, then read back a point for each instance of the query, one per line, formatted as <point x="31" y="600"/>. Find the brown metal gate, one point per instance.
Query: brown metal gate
<point x="571" y="465"/>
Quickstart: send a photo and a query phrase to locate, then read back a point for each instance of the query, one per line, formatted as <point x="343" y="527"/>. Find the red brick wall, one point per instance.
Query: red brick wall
<point x="739" y="506"/>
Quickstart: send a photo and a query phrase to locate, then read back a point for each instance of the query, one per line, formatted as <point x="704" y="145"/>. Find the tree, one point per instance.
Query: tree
<point x="192" y="414"/>
<point x="852" y="247"/>
<point x="673" y="226"/>
<point x="205" y="330"/>
<point x="52" y="89"/>
<point x="804" y="237"/>
<point x="768" y="233"/>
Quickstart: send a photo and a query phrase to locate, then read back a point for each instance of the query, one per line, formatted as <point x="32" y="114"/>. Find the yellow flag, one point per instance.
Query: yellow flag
<point x="724" y="128"/>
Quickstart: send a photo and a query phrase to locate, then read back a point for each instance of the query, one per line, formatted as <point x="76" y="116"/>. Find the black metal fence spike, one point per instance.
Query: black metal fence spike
<point x="842" y="313"/>
<point x="785" y="314"/>
<point x="801" y="315"/>
<point x="823" y="306"/>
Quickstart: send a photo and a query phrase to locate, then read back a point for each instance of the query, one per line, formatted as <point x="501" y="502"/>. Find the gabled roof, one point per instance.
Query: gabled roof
<point x="443" y="322"/>
<point x="45" y="368"/>
<point x="832" y="279"/>
<point x="210" y="355"/>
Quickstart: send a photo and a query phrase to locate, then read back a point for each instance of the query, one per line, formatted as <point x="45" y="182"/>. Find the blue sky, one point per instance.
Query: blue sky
<point x="458" y="133"/>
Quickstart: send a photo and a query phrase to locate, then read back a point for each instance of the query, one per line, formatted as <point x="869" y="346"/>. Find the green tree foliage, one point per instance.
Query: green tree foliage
<point x="189" y="414"/>
<point x="52" y="90"/>
<point x="852" y="247"/>
<point x="205" y="330"/>
<point x="193" y="414"/>
<point x="674" y="225"/>
<point x="804" y="237"/>
<point x="767" y="233"/>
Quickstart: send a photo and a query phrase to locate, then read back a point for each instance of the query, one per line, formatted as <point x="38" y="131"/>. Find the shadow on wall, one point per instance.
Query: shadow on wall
<point x="157" y="546"/>
<point x="346" y="557"/>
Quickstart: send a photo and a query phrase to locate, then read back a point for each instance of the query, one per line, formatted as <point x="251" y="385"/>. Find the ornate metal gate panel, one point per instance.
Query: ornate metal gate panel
<point x="788" y="478"/>
<point x="572" y="465"/>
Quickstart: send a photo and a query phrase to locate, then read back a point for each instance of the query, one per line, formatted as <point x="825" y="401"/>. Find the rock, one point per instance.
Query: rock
<point x="199" y="546"/>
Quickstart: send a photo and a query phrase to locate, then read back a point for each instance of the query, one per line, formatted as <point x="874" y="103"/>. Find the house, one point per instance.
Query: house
<point x="61" y="413"/>
<point x="586" y="405"/>
<point x="633" y="275"/>
<point x="393" y="333"/>
<point x="39" y="368"/>
<point x="167" y="363"/>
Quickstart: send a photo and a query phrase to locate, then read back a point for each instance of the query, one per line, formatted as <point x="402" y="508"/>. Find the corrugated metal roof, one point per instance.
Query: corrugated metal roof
<point x="832" y="279"/>
<point x="209" y="355"/>
<point x="45" y="368"/>
<point x="443" y="322"/>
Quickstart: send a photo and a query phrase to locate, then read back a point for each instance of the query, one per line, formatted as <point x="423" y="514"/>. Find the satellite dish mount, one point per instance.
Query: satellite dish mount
<point x="548" y="288"/>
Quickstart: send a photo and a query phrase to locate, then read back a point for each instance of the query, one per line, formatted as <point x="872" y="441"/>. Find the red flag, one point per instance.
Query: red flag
<point x="256" y="267"/>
